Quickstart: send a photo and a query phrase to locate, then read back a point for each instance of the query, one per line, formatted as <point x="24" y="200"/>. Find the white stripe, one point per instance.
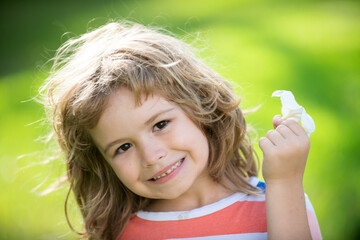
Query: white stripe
<point x="244" y="236"/>
<point x="254" y="180"/>
<point x="251" y="198"/>
<point x="308" y="203"/>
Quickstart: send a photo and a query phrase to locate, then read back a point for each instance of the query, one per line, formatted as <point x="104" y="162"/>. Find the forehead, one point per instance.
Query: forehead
<point x="123" y="107"/>
<point x="125" y="100"/>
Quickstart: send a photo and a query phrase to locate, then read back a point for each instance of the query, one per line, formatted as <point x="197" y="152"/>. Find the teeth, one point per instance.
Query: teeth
<point x="169" y="171"/>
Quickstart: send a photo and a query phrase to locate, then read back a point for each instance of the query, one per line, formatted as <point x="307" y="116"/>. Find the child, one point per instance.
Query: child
<point x="157" y="147"/>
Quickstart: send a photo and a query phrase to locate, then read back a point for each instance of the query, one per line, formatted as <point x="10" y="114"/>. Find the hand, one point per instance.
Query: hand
<point x="285" y="151"/>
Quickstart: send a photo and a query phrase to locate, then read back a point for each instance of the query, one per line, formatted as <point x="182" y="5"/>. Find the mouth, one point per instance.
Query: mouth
<point x="169" y="171"/>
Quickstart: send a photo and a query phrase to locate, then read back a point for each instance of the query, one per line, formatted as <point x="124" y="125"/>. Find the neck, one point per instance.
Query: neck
<point x="199" y="195"/>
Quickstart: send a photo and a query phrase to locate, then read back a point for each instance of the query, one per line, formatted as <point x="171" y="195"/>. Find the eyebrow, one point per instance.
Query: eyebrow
<point x="147" y="122"/>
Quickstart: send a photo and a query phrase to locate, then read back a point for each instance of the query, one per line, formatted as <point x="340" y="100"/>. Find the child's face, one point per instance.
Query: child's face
<point x="154" y="148"/>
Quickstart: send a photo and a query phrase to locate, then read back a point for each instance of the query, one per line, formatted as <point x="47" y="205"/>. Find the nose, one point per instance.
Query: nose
<point x="152" y="150"/>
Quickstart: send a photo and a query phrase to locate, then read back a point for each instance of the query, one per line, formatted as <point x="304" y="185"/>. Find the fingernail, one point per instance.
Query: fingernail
<point x="278" y="118"/>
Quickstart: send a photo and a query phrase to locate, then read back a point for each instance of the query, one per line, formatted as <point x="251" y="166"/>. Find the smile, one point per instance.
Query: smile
<point x="170" y="170"/>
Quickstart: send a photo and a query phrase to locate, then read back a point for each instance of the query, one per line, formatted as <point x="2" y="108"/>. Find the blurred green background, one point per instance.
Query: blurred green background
<point x="309" y="47"/>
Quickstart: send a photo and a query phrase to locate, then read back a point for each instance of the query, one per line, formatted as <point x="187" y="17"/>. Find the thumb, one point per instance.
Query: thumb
<point x="277" y="120"/>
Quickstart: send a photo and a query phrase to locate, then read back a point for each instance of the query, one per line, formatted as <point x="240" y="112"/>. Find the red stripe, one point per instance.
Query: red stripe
<point x="241" y="217"/>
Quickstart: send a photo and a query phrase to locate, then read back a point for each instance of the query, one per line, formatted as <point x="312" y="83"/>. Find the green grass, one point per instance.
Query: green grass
<point x="309" y="47"/>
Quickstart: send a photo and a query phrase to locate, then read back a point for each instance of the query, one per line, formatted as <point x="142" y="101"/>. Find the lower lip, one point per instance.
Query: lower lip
<point x="169" y="176"/>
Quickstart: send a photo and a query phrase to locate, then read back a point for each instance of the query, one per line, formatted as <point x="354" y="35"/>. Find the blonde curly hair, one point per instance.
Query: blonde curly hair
<point x="88" y="69"/>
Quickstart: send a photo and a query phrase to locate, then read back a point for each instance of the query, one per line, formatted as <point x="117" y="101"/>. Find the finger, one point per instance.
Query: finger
<point x="265" y="144"/>
<point x="277" y="120"/>
<point x="275" y="137"/>
<point x="285" y="131"/>
<point x="294" y="127"/>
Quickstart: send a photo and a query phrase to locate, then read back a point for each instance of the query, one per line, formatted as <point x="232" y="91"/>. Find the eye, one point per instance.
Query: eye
<point x="160" y="125"/>
<point x="123" y="148"/>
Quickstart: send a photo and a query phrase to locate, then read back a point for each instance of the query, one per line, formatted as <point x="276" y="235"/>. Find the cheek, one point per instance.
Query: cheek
<point x="202" y="147"/>
<point x="190" y="137"/>
<point x="127" y="172"/>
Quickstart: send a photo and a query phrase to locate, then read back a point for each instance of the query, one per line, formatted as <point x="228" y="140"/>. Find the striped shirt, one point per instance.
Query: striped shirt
<point x="238" y="216"/>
